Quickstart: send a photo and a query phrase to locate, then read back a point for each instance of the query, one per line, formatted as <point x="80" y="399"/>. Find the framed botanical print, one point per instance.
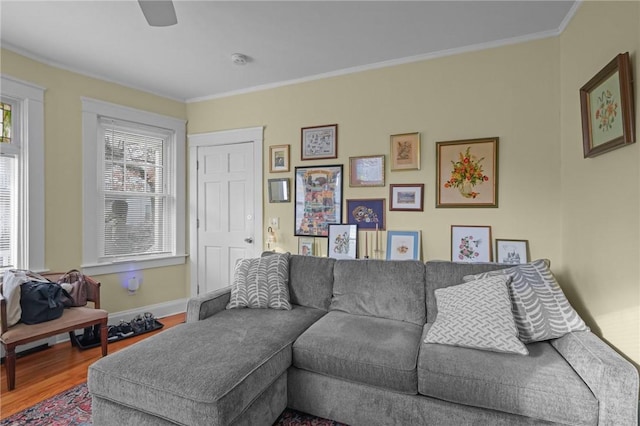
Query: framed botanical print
<point x="279" y="158"/>
<point x="318" y="198"/>
<point x="319" y="142"/>
<point x="471" y="243"/>
<point x="467" y="173"/>
<point x="607" y="108"/>
<point x="405" y="151"/>
<point x="343" y="241"/>
<point x="403" y="245"/>
<point x="366" y="213"/>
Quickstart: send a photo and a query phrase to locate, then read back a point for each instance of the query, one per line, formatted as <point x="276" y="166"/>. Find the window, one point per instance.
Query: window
<point x="21" y="176"/>
<point x="134" y="205"/>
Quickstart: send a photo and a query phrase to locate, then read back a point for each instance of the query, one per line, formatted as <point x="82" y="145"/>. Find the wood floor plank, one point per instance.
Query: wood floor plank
<point x="44" y="374"/>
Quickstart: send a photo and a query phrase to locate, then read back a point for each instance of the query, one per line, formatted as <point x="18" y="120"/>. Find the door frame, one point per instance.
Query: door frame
<point x="252" y="135"/>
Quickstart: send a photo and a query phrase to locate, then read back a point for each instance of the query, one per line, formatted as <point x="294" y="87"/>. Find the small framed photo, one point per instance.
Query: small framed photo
<point x="367" y="214"/>
<point x="306" y="246"/>
<point x="279" y="190"/>
<point x="512" y="251"/>
<point x="467" y="173"/>
<point x="403" y="245"/>
<point x="366" y="171"/>
<point x="607" y="108"/>
<point x="279" y="158"/>
<point x="406" y="197"/>
<point x="319" y="142"/>
<point x="405" y="151"/>
<point x="343" y="241"/>
<point x="471" y="243"/>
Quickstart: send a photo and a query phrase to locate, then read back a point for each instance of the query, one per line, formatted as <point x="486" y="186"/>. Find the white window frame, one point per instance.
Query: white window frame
<point x="93" y="204"/>
<point x="28" y="131"/>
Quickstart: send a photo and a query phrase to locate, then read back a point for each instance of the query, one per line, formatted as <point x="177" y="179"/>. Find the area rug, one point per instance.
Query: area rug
<point x="73" y="408"/>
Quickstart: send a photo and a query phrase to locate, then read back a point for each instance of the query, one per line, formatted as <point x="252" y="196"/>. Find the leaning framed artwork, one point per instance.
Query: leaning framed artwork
<point x="403" y="245"/>
<point x="343" y="241"/>
<point x="467" y="173"/>
<point x="405" y="151"/>
<point x="512" y="251"/>
<point x="279" y="158"/>
<point x="306" y="246"/>
<point x="471" y="243"/>
<point x="606" y="103"/>
<point x="406" y="197"/>
<point x="367" y="213"/>
<point x="318" y="199"/>
<point x="366" y="171"/>
<point x="319" y="142"/>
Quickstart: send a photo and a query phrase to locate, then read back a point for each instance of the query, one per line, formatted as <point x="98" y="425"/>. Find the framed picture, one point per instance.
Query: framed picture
<point x="279" y="158"/>
<point x="406" y="197"/>
<point x="279" y="190"/>
<point x="607" y="108"/>
<point x="403" y="245"/>
<point x="318" y="198"/>
<point x="367" y="214"/>
<point x="471" y="243"/>
<point x="467" y="173"/>
<point x="405" y="151"/>
<point x="306" y="246"/>
<point x="319" y="142"/>
<point x="512" y="251"/>
<point x="343" y="241"/>
<point x="366" y="171"/>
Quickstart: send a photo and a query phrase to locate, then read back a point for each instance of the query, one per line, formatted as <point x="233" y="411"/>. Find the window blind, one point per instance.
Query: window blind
<point x="8" y="212"/>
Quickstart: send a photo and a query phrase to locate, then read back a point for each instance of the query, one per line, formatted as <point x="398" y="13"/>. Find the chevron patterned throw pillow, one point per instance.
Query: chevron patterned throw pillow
<point x="261" y="283"/>
<point x="540" y="308"/>
<point x="476" y="315"/>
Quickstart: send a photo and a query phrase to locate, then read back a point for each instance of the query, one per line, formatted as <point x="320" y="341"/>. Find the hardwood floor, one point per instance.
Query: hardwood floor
<point x="44" y="374"/>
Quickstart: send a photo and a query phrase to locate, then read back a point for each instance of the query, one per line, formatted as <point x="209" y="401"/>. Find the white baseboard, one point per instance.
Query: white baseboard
<point x="159" y="310"/>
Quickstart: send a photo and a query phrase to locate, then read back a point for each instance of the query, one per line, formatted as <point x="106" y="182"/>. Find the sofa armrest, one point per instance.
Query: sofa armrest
<point x="612" y="379"/>
<point x="205" y="305"/>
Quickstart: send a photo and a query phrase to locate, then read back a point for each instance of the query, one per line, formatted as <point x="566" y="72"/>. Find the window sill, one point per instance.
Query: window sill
<point x="132" y="265"/>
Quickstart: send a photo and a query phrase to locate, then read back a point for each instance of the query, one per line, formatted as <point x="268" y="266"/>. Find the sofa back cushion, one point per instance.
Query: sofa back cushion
<point x="311" y="281"/>
<point x="392" y="289"/>
<point x="441" y="274"/>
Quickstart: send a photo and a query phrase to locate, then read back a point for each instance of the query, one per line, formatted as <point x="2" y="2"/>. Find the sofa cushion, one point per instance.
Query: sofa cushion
<point x="441" y="274"/>
<point x="374" y="351"/>
<point x="392" y="289"/>
<point x="542" y="385"/>
<point x="261" y="283"/>
<point x="540" y="308"/>
<point x="210" y="369"/>
<point x="311" y="281"/>
<point x="477" y="315"/>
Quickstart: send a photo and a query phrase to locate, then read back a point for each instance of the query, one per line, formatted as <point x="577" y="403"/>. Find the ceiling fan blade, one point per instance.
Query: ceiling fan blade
<point x="159" y="13"/>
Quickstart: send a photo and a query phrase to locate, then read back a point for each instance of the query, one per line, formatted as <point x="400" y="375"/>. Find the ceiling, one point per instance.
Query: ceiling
<point x="285" y="41"/>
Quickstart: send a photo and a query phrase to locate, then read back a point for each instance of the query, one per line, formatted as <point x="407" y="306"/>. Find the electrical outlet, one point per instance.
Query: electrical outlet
<point x="274" y="222"/>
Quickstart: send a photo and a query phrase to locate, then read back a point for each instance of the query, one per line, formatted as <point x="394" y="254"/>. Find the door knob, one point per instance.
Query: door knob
<point x="248" y="240"/>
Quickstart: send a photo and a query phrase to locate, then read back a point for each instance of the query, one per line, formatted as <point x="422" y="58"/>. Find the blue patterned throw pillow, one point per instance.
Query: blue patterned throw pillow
<point x="261" y="283"/>
<point x="540" y="308"/>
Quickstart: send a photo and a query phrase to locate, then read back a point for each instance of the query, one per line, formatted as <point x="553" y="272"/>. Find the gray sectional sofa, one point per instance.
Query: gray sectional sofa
<point x="352" y="349"/>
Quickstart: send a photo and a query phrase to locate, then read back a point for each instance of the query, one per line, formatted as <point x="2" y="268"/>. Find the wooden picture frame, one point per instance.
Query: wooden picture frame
<point x="471" y="243"/>
<point x="606" y="101"/>
<point x="279" y="158"/>
<point x="366" y="171"/>
<point x="318" y="199"/>
<point x="406" y="197"/>
<point x="366" y="213"/>
<point x="343" y="241"/>
<point x="403" y="245"/>
<point x="405" y="151"/>
<point x="467" y="173"/>
<point x="319" y="142"/>
<point x="279" y="190"/>
<point x="306" y="246"/>
<point x="512" y="251"/>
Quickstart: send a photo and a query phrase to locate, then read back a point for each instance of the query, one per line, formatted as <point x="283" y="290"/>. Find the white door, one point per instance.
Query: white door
<point x="228" y="210"/>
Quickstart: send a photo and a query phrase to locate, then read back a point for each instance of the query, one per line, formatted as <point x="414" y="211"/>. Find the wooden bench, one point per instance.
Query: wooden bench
<point x="72" y="319"/>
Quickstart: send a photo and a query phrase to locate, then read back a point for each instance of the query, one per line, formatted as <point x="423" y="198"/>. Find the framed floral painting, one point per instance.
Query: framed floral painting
<point x="405" y="151"/>
<point x="467" y="173"/>
<point x="471" y="243"/>
<point x="403" y="245"/>
<point x="367" y="213"/>
<point x="343" y="241"/>
<point x="607" y="108"/>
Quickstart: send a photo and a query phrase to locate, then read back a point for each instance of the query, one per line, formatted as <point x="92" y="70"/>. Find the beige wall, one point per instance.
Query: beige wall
<point x="601" y="195"/>
<point x="63" y="174"/>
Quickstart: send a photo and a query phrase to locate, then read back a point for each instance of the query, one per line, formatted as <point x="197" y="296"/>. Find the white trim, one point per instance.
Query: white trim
<point x="31" y="98"/>
<point x="223" y="137"/>
<point x="574" y="8"/>
<point x="91" y="111"/>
